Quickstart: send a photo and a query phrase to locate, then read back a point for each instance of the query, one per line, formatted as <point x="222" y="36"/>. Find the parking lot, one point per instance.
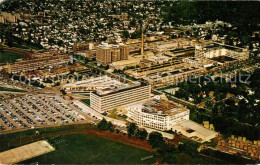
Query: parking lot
<point x="30" y="111"/>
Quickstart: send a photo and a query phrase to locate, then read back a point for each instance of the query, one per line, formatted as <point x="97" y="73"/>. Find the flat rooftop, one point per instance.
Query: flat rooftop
<point x="194" y="131"/>
<point x="25" y="152"/>
<point x="103" y="82"/>
<point x="158" y="107"/>
<point x="229" y="47"/>
<point x="114" y="89"/>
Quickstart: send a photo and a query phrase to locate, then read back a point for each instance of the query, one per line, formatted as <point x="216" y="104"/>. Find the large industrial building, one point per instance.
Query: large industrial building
<point x="215" y="50"/>
<point x="38" y="61"/>
<point x="175" y="71"/>
<point x="113" y="97"/>
<point x="159" y="114"/>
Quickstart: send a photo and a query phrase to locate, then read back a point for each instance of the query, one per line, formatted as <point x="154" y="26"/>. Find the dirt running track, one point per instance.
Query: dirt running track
<point x="120" y="138"/>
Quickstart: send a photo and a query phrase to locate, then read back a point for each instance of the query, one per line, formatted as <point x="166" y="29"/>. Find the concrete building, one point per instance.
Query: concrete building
<point x="10" y="17"/>
<point x="113" y="97"/>
<point x="103" y="55"/>
<point x="168" y="73"/>
<point x="157" y="113"/>
<point x="194" y="131"/>
<point x="106" y="54"/>
<point x="124" y="52"/>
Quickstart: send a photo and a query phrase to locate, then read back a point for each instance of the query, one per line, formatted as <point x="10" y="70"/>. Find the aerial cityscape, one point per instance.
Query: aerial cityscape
<point x="129" y="82"/>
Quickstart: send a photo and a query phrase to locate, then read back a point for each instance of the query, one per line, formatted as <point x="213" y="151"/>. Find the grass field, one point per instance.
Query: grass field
<point x="183" y="158"/>
<point x="114" y="115"/>
<point x="11" y="89"/>
<point x="87" y="101"/>
<point x="7" y="56"/>
<point x="89" y="149"/>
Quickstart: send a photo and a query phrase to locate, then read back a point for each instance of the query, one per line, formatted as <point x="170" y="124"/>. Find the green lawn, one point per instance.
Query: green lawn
<point x="11" y="89"/>
<point x="89" y="149"/>
<point x="183" y="158"/>
<point x="7" y="56"/>
<point x="87" y="101"/>
<point x="113" y="114"/>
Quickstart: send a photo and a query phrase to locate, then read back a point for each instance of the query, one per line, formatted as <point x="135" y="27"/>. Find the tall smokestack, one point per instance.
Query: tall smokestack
<point x="142" y="46"/>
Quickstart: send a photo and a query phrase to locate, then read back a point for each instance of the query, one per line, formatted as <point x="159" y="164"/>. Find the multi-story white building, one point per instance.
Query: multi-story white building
<point x="111" y="98"/>
<point x="156" y="113"/>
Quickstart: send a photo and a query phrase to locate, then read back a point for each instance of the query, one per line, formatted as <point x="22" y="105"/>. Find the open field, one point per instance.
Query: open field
<point x="62" y="133"/>
<point x="89" y="149"/>
<point x="7" y="56"/>
<point x="183" y="158"/>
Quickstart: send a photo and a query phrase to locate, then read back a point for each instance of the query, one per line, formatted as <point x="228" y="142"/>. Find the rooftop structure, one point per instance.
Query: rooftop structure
<point x="160" y="114"/>
<point x="102" y="83"/>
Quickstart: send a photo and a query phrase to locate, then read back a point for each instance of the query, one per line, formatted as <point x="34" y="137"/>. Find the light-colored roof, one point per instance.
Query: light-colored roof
<point x="198" y="129"/>
<point x="25" y="152"/>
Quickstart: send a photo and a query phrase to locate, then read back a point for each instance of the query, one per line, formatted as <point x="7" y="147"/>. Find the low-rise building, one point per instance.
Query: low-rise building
<point x="216" y="50"/>
<point x="157" y="113"/>
<point x="25" y="65"/>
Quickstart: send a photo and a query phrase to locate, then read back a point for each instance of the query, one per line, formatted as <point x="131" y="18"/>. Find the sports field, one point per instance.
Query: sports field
<point x="89" y="149"/>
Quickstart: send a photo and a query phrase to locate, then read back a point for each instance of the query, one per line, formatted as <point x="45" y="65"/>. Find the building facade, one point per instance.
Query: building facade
<point x="103" y="102"/>
<point x="156" y="113"/>
<point x="108" y="54"/>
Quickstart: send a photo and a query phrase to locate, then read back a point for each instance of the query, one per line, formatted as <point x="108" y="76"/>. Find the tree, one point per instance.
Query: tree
<point x="168" y="153"/>
<point x="110" y="127"/>
<point x="60" y="42"/>
<point x="155" y="139"/>
<point x="102" y="125"/>
<point x="131" y="129"/>
<point x="51" y="41"/>
<point x="141" y="134"/>
<point x="132" y="22"/>
<point x="63" y="92"/>
<point x="190" y="148"/>
<point x="126" y="34"/>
